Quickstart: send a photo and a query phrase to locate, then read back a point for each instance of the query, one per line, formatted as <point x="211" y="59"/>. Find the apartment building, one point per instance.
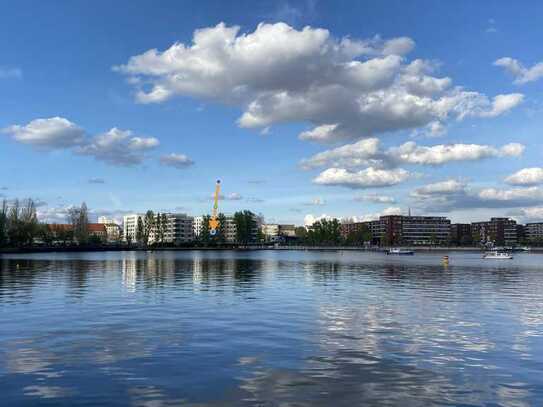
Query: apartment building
<point x="229" y="229"/>
<point x="130" y="226"/>
<point x="414" y="230"/>
<point x="498" y="231"/>
<point x="461" y="234"/>
<point x="533" y="232"/>
<point x="197" y="225"/>
<point x="171" y="228"/>
<point x="274" y="230"/>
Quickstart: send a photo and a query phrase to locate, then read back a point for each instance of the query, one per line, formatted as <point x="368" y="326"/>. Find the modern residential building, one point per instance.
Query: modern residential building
<point x="197" y="225"/>
<point x="113" y="232"/>
<point x="105" y="220"/>
<point x="287" y="230"/>
<point x="376" y="229"/>
<point x="348" y="228"/>
<point x="171" y="228"/>
<point x="230" y="229"/>
<point x="130" y="227"/>
<point x="461" y="234"/>
<point x="497" y="231"/>
<point x="414" y="230"/>
<point x="275" y="230"/>
<point x="270" y="230"/>
<point x="533" y="232"/>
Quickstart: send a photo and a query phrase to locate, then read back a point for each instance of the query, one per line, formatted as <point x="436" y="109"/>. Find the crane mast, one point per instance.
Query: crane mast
<point x="214" y="222"/>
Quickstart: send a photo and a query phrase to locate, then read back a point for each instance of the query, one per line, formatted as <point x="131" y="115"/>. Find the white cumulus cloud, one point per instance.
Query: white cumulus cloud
<point x="444" y="187"/>
<point x="118" y="147"/>
<point x="48" y="134"/>
<point x="115" y="147"/>
<point x="454" y="195"/>
<point x="368" y="152"/>
<point x="180" y="161"/>
<point x="368" y="178"/>
<point x="346" y="88"/>
<point x="526" y="176"/>
<point x="309" y="219"/>
<point x="521" y="74"/>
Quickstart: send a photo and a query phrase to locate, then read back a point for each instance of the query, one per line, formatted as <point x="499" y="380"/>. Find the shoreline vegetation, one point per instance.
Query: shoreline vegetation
<point x="118" y="248"/>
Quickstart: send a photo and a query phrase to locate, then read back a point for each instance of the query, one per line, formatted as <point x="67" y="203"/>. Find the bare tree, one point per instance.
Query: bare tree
<point x="79" y="219"/>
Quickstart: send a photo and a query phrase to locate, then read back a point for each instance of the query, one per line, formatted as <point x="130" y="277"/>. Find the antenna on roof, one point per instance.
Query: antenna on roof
<point x="408" y="211"/>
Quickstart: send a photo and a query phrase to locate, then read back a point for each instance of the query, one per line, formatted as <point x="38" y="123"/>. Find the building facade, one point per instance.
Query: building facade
<point x="461" y="234"/>
<point x="130" y="227"/>
<point x="172" y="228"/>
<point x="113" y="232"/>
<point x="197" y="225"/>
<point x="497" y="231"/>
<point x="97" y="230"/>
<point x="533" y="232"/>
<point x="273" y="231"/>
<point x="414" y="230"/>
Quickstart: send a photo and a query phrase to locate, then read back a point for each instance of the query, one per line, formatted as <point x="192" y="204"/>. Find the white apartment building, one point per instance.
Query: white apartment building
<point x="113" y="232"/>
<point x="230" y="229"/>
<point x="174" y="228"/>
<point x="104" y="220"/>
<point x="130" y="226"/>
<point x="197" y="225"/>
<point x="272" y="230"/>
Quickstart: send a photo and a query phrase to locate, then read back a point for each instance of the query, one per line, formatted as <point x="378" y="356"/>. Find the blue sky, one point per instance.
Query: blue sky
<point x="89" y="113"/>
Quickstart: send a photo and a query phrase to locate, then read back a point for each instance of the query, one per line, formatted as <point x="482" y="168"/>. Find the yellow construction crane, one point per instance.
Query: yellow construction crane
<point x="214" y="221"/>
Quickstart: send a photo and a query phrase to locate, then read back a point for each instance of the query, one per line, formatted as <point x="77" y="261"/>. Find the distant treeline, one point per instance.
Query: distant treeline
<point x="20" y="227"/>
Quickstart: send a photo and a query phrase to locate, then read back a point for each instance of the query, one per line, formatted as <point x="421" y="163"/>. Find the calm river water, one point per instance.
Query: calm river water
<point x="270" y="328"/>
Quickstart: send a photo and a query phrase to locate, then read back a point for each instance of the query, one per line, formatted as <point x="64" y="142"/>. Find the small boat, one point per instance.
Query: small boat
<point x="497" y="255"/>
<point x="400" y="252"/>
<point x="521" y="249"/>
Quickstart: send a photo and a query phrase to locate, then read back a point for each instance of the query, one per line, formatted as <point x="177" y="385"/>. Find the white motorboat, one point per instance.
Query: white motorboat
<point x="400" y="252"/>
<point x="497" y="255"/>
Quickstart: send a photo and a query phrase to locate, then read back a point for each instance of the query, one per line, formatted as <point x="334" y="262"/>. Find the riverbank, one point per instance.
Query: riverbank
<point x="76" y="249"/>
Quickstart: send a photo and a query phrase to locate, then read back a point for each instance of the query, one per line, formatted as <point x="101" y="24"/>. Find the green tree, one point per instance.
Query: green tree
<point x="245" y="227"/>
<point x="358" y="237"/>
<point x="4" y="224"/>
<point x="148" y="226"/>
<point x="220" y="237"/>
<point x="301" y="234"/>
<point x="163" y="221"/>
<point x="139" y="230"/>
<point x="325" y="232"/>
<point x="204" y="232"/>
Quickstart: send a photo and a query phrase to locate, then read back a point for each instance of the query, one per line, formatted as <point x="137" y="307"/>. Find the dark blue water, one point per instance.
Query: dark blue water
<point x="272" y="328"/>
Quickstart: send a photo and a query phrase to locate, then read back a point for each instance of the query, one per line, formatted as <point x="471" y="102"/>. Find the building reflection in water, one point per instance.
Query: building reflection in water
<point x="202" y="271"/>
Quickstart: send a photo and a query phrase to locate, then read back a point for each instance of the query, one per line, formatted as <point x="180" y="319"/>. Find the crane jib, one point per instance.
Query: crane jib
<point x="213" y="221"/>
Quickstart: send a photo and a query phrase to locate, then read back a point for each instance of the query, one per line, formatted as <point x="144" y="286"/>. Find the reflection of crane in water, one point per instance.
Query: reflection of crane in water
<point x="214" y="221"/>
